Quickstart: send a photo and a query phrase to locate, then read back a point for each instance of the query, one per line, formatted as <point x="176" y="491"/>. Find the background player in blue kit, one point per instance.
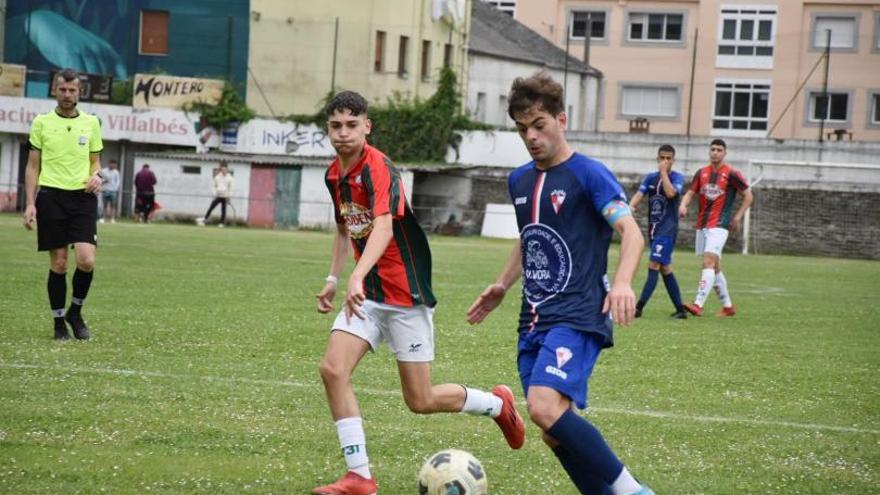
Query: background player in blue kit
<point x="567" y="208"/>
<point x="663" y="189"/>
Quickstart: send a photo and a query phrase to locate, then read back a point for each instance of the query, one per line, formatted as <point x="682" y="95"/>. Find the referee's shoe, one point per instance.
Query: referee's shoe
<point x="80" y="330"/>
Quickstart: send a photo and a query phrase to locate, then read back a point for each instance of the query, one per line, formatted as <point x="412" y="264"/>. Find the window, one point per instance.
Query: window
<point x="502" y="110"/>
<point x="403" y="48"/>
<point x="191" y="169"/>
<point x="843" y="31"/>
<point x="154" y="32"/>
<point x="830" y="107"/>
<point x="648" y="101"/>
<point x="506" y="6"/>
<point x="746" y="37"/>
<point x="447" y="55"/>
<point x="480" y="111"/>
<point x="741" y="106"/>
<point x="578" y="24"/>
<point x="426" y="60"/>
<point x="875" y="109"/>
<point x="876" y="32"/>
<point x="379" y="59"/>
<point x="655" y="27"/>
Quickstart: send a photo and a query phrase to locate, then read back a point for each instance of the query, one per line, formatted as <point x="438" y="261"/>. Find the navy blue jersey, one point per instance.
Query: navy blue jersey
<point x="662" y="211"/>
<point x="565" y="243"/>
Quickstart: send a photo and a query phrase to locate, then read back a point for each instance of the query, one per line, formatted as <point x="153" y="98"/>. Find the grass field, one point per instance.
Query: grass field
<point x="201" y="376"/>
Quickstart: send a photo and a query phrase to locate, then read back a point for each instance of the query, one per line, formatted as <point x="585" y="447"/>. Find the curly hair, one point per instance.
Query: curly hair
<point x="346" y="100"/>
<point x="540" y="89"/>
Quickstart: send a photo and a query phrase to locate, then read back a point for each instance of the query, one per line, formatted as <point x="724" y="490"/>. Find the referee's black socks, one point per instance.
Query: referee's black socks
<point x="57" y="288"/>
<point x="81" y="283"/>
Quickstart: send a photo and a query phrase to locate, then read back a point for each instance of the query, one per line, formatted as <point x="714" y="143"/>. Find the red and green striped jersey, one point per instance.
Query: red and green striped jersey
<point x="402" y="276"/>
<point x="717" y="192"/>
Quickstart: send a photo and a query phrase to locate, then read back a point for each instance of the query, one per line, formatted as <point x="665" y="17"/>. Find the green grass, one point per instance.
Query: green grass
<point x="202" y="375"/>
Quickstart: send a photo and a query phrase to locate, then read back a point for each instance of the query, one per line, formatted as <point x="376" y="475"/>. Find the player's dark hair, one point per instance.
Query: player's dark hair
<point x="346" y="100"/>
<point x="68" y="75"/>
<point x="538" y="90"/>
<point x="718" y="142"/>
<point x="667" y="148"/>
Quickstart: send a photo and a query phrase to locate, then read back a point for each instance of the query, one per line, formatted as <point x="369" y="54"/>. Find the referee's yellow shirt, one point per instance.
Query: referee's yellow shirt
<point x="64" y="144"/>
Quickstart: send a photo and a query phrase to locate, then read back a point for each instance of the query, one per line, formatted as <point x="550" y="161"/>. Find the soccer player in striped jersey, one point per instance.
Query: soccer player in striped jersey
<point x="388" y="297"/>
<point x="567" y="207"/>
<point x="716" y="185"/>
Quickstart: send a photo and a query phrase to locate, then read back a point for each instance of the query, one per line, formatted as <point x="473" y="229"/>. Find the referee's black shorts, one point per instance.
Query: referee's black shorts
<point x="65" y="217"/>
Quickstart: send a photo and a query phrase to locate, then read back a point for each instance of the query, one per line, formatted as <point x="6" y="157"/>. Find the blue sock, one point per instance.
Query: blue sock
<point x="673" y="290"/>
<point x="582" y="479"/>
<point x="586" y="445"/>
<point x="648" y="289"/>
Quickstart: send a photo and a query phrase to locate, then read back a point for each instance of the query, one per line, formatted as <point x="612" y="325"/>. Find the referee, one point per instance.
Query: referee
<point x="63" y="174"/>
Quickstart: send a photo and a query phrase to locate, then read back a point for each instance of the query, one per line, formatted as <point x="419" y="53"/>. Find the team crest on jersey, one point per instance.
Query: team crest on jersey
<point x="557" y="197"/>
<point x="546" y="263"/>
<point x="82" y="140"/>
<point x="563" y="355"/>
<point x="711" y="191"/>
<point x="358" y="219"/>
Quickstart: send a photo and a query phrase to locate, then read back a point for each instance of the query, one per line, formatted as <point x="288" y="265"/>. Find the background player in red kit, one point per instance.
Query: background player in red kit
<point x="388" y="298"/>
<point x="716" y="185"/>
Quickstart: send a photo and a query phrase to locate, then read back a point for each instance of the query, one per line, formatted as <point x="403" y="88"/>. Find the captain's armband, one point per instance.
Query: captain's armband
<point x="614" y="210"/>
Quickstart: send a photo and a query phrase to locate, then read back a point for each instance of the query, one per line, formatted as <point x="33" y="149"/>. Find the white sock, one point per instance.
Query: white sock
<point x="481" y="403"/>
<point x="721" y="290"/>
<point x="625" y="484"/>
<point x="354" y="445"/>
<point x="707" y="280"/>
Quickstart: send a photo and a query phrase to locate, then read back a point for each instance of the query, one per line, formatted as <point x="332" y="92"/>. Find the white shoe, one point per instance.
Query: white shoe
<point x="100" y="220"/>
<point x="112" y="220"/>
<point x="221" y="225"/>
<point x="200" y="222"/>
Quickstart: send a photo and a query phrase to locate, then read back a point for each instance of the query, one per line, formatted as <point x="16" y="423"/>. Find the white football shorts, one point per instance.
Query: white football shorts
<point x="409" y="331"/>
<point x="711" y="241"/>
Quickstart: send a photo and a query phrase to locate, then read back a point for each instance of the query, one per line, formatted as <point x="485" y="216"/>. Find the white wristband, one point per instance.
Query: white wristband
<point x="331" y="279"/>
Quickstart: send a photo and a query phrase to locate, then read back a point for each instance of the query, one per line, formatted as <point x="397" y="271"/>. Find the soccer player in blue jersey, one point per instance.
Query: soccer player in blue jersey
<point x="663" y="190"/>
<point x="567" y="208"/>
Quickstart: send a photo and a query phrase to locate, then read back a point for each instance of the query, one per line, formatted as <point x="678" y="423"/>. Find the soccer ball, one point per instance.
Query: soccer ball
<point x="453" y="472"/>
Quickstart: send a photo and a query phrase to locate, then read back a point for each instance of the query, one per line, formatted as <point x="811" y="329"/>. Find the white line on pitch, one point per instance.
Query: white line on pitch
<point x="375" y="391"/>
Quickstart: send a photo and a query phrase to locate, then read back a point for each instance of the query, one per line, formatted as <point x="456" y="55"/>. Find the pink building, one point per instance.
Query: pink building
<point x="727" y="68"/>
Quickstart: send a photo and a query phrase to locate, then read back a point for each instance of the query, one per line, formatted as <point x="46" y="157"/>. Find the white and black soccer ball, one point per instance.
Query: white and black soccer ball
<point x="453" y="472"/>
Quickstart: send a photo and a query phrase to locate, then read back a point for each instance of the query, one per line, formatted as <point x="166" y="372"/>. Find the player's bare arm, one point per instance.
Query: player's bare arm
<point x="636" y="199"/>
<point x="621" y="300"/>
<point x="31" y="174"/>
<point x="490" y="298"/>
<point x="95" y="181"/>
<point x="741" y="211"/>
<point x="668" y="188"/>
<point x="337" y="261"/>
<point x="685" y="201"/>
<point x="378" y="242"/>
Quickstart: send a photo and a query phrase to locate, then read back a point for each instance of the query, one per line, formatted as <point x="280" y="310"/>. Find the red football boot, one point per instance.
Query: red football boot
<point x="725" y="312"/>
<point x="350" y="484"/>
<point x="509" y="420"/>
<point x="693" y="309"/>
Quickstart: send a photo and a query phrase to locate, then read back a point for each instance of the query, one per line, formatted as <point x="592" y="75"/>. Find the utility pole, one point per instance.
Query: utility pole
<point x="825" y="96"/>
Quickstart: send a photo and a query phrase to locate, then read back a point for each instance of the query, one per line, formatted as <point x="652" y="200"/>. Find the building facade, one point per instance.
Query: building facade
<point x="301" y="51"/>
<point x="747" y="68"/>
<point x="501" y="49"/>
<point x="197" y="38"/>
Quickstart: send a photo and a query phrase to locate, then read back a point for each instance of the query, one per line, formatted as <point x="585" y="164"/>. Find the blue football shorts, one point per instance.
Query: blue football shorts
<point x="560" y="358"/>
<point x="661" y="249"/>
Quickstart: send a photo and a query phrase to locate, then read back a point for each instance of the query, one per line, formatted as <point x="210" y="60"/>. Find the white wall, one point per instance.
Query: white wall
<point x="493" y="77"/>
<point x="9" y="144"/>
<point x="191" y="194"/>
<point x="635" y="153"/>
